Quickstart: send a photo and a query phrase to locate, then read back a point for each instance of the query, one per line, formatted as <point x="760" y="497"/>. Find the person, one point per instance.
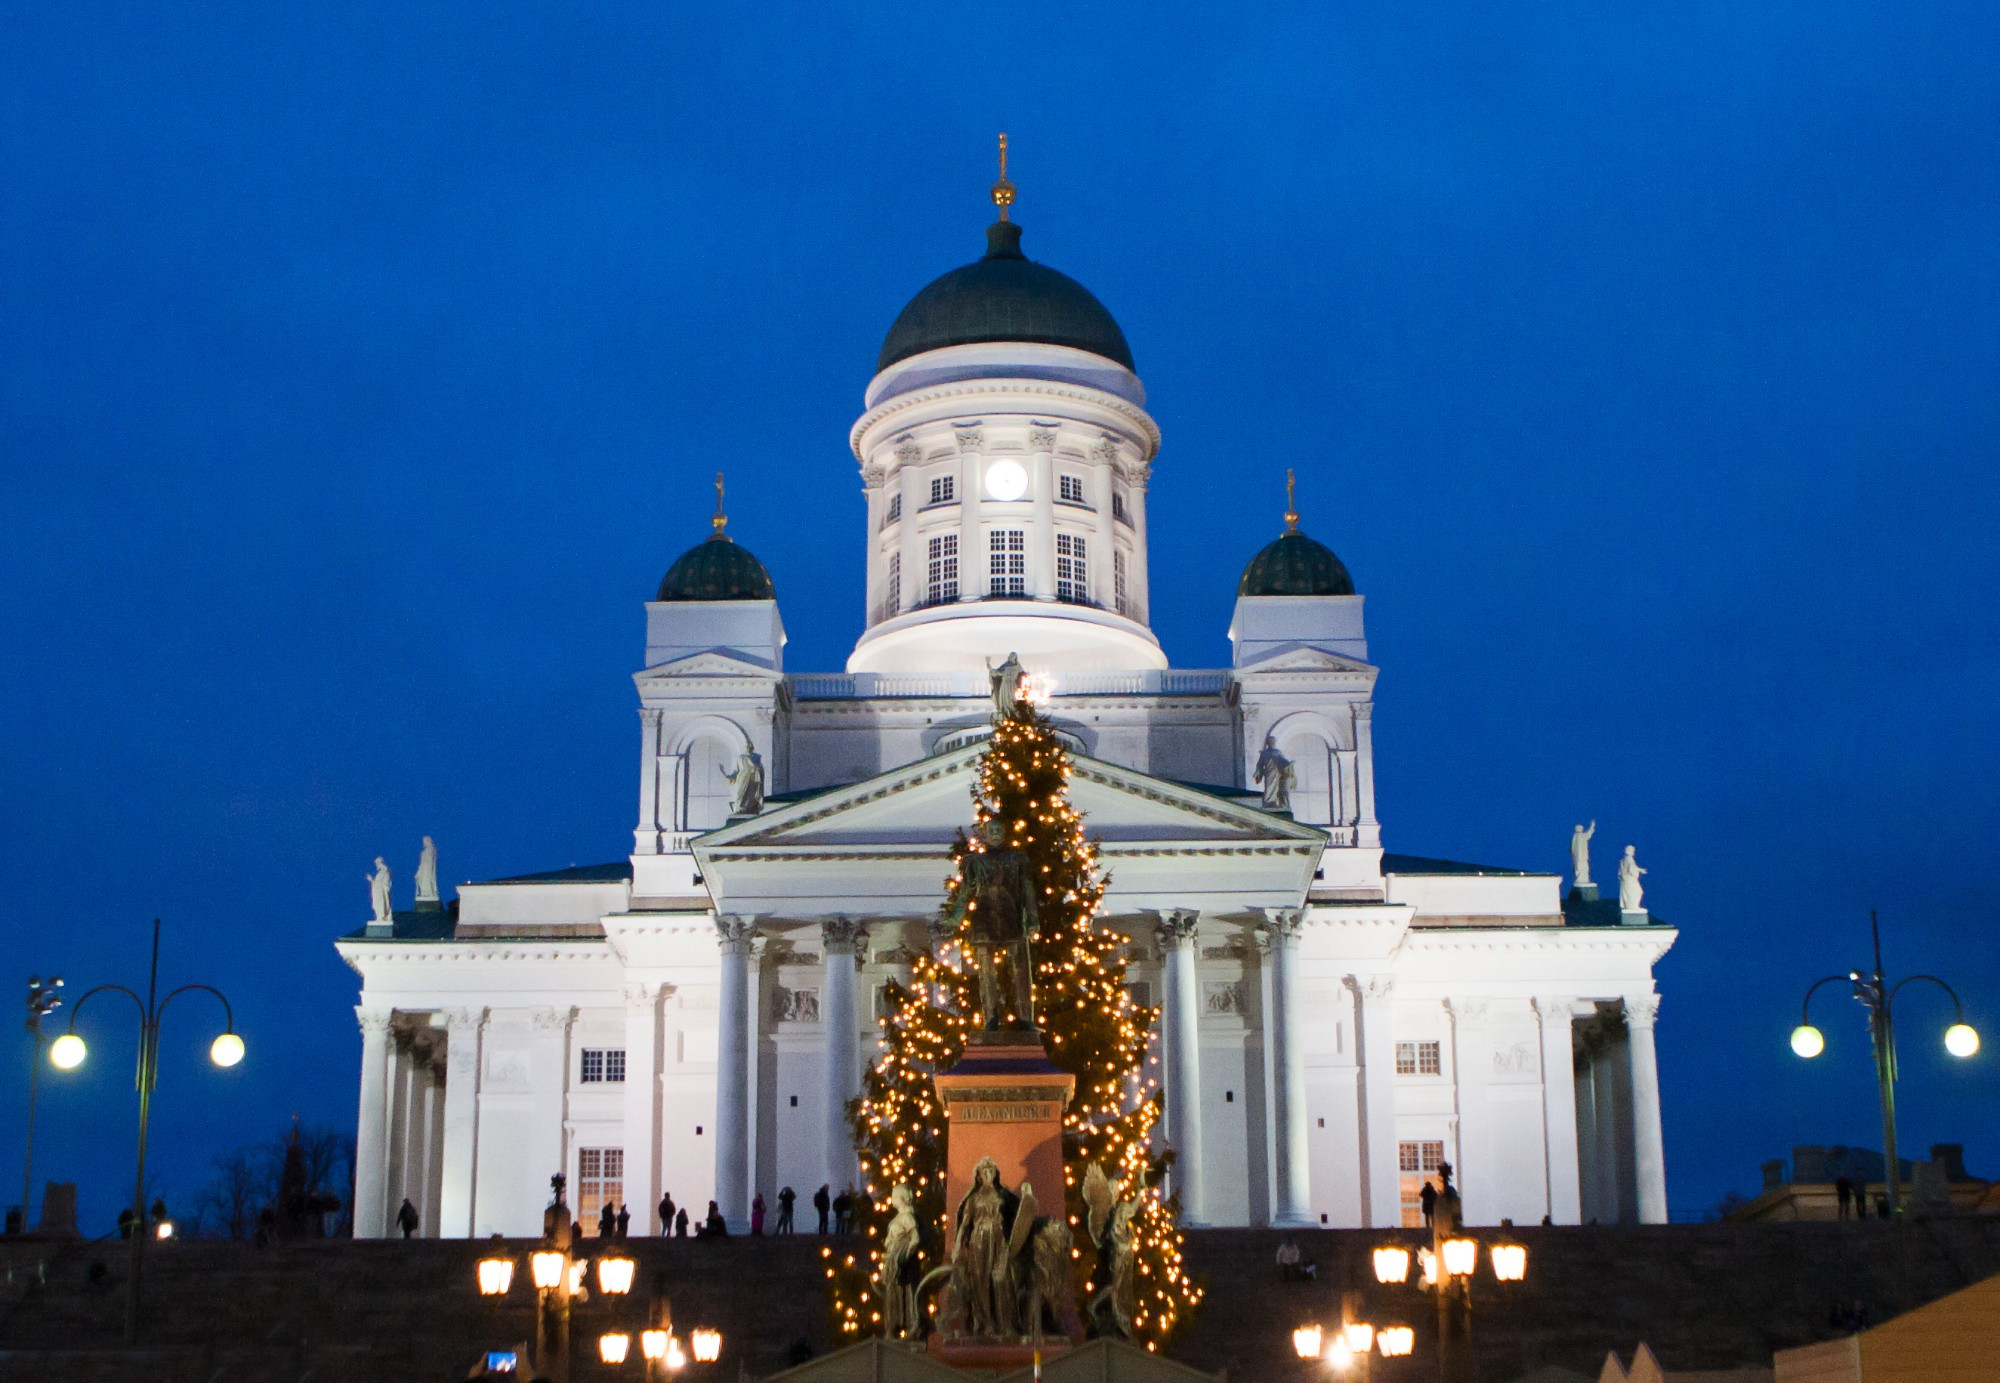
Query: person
<point x="127" y="1218"/>
<point x="822" y="1202"/>
<point x="1429" y="1198"/>
<point x="681" y="1223"/>
<point x="785" y="1198"/>
<point x="607" y="1221"/>
<point x="714" y="1227"/>
<point x="667" y="1213"/>
<point x="624" y="1220"/>
<point x="757" y="1214"/>
<point x="1843" y="1191"/>
<point x="406" y="1218"/>
<point x="159" y="1211"/>
<point x="843" y="1212"/>
<point x="1294" y="1266"/>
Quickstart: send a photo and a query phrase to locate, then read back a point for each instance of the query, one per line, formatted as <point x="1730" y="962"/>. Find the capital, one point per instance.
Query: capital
<point x="1372" y="989"/>
<point x="1467" y="1010"/>
<point x="464" y="1019"/>
<point x="1641" y="1010"/>
<point x="1178" y="928"/>
<point x="551" y="1019"/>
<point x="640" y="996"/>
<point x="1282" y="925"/>
<point x="733" y="932"/>
<point x="374" y="1021"/>
<point x="1555" y="1011"/>
<point x="843" y="936"/>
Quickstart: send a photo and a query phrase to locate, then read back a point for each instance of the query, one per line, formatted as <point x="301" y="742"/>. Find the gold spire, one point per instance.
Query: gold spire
<point x="1291" y="504"/>
<point x="1003" y="191"/>
<point x="721" y="520"/>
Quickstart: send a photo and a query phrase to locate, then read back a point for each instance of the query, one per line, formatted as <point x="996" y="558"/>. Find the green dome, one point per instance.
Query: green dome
<point x="1295" y="565"/>
<point x="1004" y="296"/>
<point x="718" y="569"/>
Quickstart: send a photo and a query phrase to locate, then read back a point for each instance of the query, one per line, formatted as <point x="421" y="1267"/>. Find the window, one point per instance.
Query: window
<point x="892" y="596"/>
<point x="941" y="581"/>
<point x="1071" y="491"/>
<point x="603" y="1065"/>
<point x="944" y="489"/>
<point x="600" y="1181"/>
<point x="1072" y="578"/>
<point x="1417" y="1059"/>
<point x="1418" y="1162"/>
<point x="1007" y="551"/>
<point x="1118" y="507"/>
<point x="895" y="510"/>
<point x="1118" y="579"/>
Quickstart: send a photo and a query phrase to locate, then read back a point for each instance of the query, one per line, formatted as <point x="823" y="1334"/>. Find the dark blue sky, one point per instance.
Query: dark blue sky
<point x="362" y="368"/>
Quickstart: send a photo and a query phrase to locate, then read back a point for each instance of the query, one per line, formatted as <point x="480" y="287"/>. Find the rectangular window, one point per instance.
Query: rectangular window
<point x="602" y="1065"/>
<point x="600" y="1181"/>
<point x="1118" y="580"/>
<point x="1118" y="507"/>
<point x="892" y="598"/>
<point x="1071" y="489"/>
<point x="944" y="489"/>
<point x="1072" y="576"/>
<point x="1418" y="1162"/>
<point x="1417" y="1059"/>
<point x="941" y="580"/>
<point x="895" y="508"/>
<point x="1007" y="551"/>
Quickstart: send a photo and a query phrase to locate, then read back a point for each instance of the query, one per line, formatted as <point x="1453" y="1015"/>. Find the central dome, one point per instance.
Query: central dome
<point x="1004" y="296"/>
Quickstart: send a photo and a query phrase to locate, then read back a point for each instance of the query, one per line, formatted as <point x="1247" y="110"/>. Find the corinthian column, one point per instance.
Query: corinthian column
<point x="1565" y="1205"/>
<point x="732" y="1072"/>
<point x="642" y="1089"/>
<point x="1649" y="1148"/>
<point x="842" y="942"/>
<point x="371" y="1143"/>
<point x="1288" y="1062"/>
<point x="1181" y="1049"/>
<point x="1382" y="1207"/>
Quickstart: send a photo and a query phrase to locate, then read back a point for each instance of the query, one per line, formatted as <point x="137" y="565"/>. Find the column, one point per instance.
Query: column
<point x="548" y="1142"/>
<point x="1565" y="1205"/>
<point x="371" y="1142"/>
<point x="732" y="1073"/>
<point x="465" y="1030"/>
<point x="400" y="1065"/>
<point x="1604" y="1109"/>
<point x="1472" y="1071"/>
<point x="642" y="1085"/>
<point x="436" y="1089"/>
<point x="1180" y="1052"/>
<point x="972" y="576"/>
<point x="1367" y="830"/>
<point x="842" y="941"/>
<point x="646" y="838"/>
<point x="1649" y="1146"/>
<point x="1382" y="1180"/>
<point x="1294" y="1165"/>
<point x="1587" y="1172"/>
<point x="1041" y="540"/>
<point x="753" y="1068"/>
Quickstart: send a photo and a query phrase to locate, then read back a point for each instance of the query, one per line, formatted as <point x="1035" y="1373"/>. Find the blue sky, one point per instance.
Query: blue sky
<point x="362" y="368"/>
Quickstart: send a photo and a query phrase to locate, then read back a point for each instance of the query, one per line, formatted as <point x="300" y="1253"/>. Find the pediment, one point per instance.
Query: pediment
<point x="707" y="664"/>
<point x="1305" y="658"/>
<point x="922" y="806"/>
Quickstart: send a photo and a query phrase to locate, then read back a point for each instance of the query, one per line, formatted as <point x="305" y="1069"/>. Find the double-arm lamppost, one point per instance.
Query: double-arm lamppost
<point x="1447" y="1267"/>
<point x="44" y="998"/>
<point x="1873" y="990"/>
<point x="68" y="1052"/>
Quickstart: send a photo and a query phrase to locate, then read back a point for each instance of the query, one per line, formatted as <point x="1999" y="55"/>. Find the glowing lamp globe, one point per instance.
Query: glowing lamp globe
<point x="1460" y="1257"/>
<point x="1360" y="1336"/>
<point x="1392" y="1264"/>
<point x="653" y="1344"/>
<point x="164" y="1230"/>
<point x="1510" y="1262"/>
<point x="1340" y="1358"/>
<point x="546" y="1268"/>
<point x="1307" y="1341"/>
<point x="614" y="1275"/>
<point x="1808" y="1041"/>
<point x="613" y="1347"/>
<point x="676" y="1356"/>
<point x="67" y="1051"/>
<point x="1960" y="1040"/>
<point x="226" y="1050"/>
<point x="1006" y="481"/>
<point x="707" y="1345"/>
<point x="496" y="1275"/>
<point x="1395" y="1341"/>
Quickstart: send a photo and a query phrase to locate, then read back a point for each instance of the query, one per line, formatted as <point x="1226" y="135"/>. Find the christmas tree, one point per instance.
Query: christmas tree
<point x="1092" y="1027"/>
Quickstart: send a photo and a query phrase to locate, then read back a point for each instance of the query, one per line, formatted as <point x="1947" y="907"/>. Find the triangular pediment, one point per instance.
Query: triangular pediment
<point x="925" y="804"/>
<point x="707" y="664"/>
<point x="1306" y="658"/>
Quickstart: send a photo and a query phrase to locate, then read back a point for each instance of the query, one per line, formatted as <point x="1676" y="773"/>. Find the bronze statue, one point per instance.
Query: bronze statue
<point x="898" y="1283"/>
<point x="998" y="897"/>
<point x="979" y="1251"/>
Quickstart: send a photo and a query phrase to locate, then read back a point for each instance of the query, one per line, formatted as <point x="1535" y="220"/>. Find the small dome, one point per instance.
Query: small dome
<point x="718" y="569"/>
<point x="1295" y="565"/>
<point x="1004" y="296"/>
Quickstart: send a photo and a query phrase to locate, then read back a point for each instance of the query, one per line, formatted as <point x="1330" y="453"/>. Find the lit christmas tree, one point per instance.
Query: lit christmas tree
<point x="1092" y="1028"/>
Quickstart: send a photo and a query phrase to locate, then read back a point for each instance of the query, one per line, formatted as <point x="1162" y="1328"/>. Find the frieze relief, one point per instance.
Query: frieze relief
<point x="794" y="1005"/>
<point x="1224" y="996"/>
<point x="1517" y="1059"/>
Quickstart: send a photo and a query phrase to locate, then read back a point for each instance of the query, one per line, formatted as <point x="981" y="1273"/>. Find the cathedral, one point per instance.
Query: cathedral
<point x="1336" y="1020"/>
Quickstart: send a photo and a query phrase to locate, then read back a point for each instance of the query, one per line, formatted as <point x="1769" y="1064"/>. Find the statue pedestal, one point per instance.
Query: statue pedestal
<point x="1583" y="893"/>
<point x="1640" y="918"/>
<point x="1004" y="1100"/>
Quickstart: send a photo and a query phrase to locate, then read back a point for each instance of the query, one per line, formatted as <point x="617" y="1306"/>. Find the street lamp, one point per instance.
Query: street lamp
<point x="1447" y="1268"/>
<point x="1873" y="991"/>
<point x="68" y="1052"/>
<point x="43" y="1000"/>
<point x="1308" y="1341"/>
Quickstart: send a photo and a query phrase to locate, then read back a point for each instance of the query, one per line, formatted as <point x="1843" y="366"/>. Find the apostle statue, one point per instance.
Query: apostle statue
<point x="1109" y="1220"/>
<point x="747" y="778"/>
<point x="1275" y="775"/>
<point x="427" y="872"/>
<point x="1005" y="682"/>
<point x="1579" y="853"/>
<point x="1630" y="890"/>
<point x="378" y="894"/>
<point x="979" y="1268"/>
<point x="898" y="1282"/>
<point x="998" y="899"/>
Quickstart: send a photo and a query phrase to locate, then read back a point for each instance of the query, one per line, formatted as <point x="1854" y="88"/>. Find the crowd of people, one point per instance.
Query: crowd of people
<point x="614" y="1219"/>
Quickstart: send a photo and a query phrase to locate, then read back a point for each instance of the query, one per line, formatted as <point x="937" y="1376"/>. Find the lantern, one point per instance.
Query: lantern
<point x="1808" y="1041"/>
<point x="1306" y="1341"/>
<point x="1460" y="1257"/>
<point x="1395" y="1341"/>
<point x="1392" y="1263"/>
<point x="612" y="1348"/>
<point x="707" y="1345"/>
<point x="545" y="1266"/>
<point x="614" y="1275"/>
<point x="496" y="1275"/>
<point x="653" y="1344"/>
<point x="1360" y="1336"/>
<point x="1510" y="1262"/>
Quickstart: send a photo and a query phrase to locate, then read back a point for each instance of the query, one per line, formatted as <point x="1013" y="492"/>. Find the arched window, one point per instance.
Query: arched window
<point x="1312" y="783"/>
<point x="705" y="792"/>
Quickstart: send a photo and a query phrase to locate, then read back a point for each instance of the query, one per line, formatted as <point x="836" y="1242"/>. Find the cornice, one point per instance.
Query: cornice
<point x="1140" y="420"/>
<point x="1523" y="940"/>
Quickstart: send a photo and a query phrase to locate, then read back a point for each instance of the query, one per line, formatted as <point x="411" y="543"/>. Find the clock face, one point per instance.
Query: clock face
<point x="1005" y="480"/>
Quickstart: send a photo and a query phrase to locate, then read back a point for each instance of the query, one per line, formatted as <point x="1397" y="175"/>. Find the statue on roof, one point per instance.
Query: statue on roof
<point x="427" y="872"/>
<point x="1630" y="890"/>
<point x="378" y="894"/>
<point x="1579" y="853"/>
<point x="1275" y="774"/>
<point x="748" y="780"/>
<point x="1005" y="682"/>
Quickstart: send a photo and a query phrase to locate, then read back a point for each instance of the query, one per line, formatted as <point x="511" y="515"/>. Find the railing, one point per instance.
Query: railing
<point x="862" y="686"/>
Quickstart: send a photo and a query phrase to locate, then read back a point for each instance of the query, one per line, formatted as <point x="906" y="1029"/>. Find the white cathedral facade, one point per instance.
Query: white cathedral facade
<point x="1336" y="1020"/>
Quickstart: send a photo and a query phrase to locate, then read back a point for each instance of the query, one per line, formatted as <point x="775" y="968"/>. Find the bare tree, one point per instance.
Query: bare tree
<point x="244" y="1183"/>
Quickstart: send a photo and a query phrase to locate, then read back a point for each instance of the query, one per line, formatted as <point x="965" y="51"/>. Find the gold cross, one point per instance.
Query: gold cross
<point x="1003" y="191"/>
<point x="1291" y="505"/>
<point x="719" y="521"/>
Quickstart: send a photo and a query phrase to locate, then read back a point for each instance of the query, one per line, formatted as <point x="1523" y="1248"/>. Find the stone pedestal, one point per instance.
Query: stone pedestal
<point x="1004" y="1100"/>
